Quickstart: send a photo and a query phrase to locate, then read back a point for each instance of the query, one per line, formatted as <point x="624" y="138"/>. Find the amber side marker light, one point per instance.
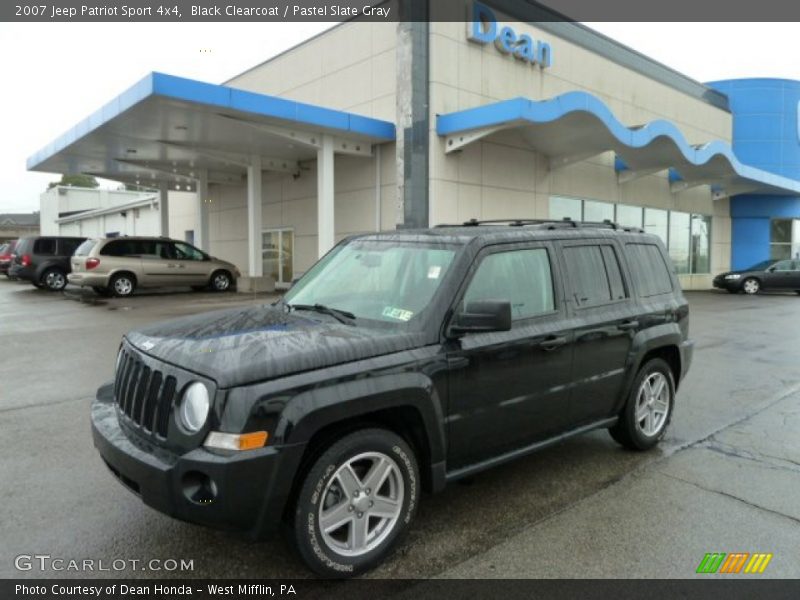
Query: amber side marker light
<point x="236" y="441"/>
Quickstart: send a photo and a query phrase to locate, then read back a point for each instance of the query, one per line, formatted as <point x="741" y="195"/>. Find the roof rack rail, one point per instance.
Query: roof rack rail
<point x="551" y="223"/>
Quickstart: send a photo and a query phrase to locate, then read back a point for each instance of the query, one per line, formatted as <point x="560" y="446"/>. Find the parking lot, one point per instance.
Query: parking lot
<point x="726" y="478"/>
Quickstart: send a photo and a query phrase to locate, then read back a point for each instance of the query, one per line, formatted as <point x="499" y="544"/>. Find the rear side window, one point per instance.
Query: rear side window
<point x="45" y="246"/>
<point x="595" y="274"/>
<point x="66" y="247"/>
<point x="649" y="270"/>
<point x="85" y="248"/>
<point x="521" y="276"/>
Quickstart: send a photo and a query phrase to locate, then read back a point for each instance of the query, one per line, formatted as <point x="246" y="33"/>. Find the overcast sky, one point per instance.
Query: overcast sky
<point x="56" y="74"/>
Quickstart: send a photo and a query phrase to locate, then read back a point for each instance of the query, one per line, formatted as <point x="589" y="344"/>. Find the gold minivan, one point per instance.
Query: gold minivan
<point x="119" y="265"/>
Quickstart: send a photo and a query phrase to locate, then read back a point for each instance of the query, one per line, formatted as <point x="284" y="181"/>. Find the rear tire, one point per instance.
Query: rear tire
<point x="122" y="285"/>
<point x="53" y="280"/>
<point x="648" y="411"/>
<point x="365" y="517"/>
<point x="221" y="281"/>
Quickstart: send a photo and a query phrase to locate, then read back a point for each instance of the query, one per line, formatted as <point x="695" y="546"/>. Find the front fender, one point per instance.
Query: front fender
<point x="310" y="411"/>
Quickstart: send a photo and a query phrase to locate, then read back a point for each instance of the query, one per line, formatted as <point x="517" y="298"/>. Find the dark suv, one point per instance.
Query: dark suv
<point x="398" y="363"/>
<point x="44" y="260"/>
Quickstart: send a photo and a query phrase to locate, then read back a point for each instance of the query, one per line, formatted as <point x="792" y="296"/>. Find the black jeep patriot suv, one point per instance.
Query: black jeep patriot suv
<point x="400" y="362"/>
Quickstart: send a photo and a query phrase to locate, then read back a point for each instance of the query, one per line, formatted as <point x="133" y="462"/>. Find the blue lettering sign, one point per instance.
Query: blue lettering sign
<point x="482" y="29"/>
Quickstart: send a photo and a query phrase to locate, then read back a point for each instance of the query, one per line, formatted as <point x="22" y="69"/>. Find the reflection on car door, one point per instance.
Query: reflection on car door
<point x="509" y="389"/>
<point x="605" y="321"/>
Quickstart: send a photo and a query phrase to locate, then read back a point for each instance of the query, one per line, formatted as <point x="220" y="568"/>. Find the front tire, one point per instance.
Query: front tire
<point x="53" y="280"/>
<point x="221" y="281"/>
<point x="751" y="286"/>
<point x="355" y="503"/>
<point x="647" y="413"/>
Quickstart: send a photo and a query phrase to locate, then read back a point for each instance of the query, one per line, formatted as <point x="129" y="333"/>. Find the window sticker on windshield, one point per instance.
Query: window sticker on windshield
<point x="397" y="313"/>
<point x="434" y="271"/>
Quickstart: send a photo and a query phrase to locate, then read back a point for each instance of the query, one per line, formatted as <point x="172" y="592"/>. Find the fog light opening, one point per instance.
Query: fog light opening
<point x="199" y="488"/>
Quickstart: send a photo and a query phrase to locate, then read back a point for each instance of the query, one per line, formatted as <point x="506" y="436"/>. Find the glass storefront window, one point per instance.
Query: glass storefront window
<point x="655" y="222"/>
<point x="597" y="211"/>
<point x="784" y="239"/>
<point x="561" y="207"/>
<point x="701" y="244"/>
<point x="679" y="236"/>
<point x="629" y="216"/>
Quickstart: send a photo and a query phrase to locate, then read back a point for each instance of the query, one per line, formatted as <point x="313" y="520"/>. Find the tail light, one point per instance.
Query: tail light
<point x="26" y="260"/>
<point x="91" y="263"/>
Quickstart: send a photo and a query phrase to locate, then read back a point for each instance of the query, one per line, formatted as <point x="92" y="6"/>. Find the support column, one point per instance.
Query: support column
<point x="325" y="224"/>
<point x="201" y="238"/>
<point x="163" y="208"/>
<point x="255" y="265"/>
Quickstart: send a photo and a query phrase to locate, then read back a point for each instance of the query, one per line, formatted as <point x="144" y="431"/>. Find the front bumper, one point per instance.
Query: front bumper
<point x="727" y="284"/>
<point x="251" y="487"/>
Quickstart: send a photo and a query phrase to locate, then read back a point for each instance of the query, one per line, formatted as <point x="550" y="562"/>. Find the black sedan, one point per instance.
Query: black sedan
<point x="766" y="275"/>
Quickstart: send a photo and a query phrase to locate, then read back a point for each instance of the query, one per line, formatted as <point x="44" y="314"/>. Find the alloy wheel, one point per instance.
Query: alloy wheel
<point x="652" y="404"/>
<point x="361" y="504"/>
<point x="221" y="282"/>
<point x="123" y="286"/>
<point x="55" y="280"/>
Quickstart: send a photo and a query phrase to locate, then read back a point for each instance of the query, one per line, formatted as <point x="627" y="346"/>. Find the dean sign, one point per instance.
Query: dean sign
<point x="483" y="29"/>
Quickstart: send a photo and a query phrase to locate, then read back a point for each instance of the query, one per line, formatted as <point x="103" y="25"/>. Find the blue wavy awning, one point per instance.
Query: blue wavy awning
<point x="577" y="125"/>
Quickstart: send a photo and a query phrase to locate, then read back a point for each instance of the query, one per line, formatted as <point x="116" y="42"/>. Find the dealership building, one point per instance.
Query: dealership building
<point x="381" y="125"/>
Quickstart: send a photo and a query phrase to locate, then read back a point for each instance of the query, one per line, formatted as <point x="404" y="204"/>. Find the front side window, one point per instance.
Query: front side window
<point x="378" y="281"/>
<point x="784" y="265"/>
<point x="187" y="252"/>
<point x="522" y="277"/>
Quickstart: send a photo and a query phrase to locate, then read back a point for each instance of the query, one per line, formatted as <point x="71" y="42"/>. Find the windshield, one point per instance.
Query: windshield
<point x="762" y="266"/>
<point x="384" y="281"/>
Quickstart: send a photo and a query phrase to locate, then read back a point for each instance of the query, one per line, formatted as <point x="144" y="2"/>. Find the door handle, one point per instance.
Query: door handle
<point x="552" y="343"/>
<point x="628" y="325"/>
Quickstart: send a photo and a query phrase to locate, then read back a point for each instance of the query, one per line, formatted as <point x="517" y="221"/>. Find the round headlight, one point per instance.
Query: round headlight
<point x="195" y="406"/>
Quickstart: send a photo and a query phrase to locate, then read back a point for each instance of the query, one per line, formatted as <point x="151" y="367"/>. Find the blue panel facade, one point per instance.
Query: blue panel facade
<point x="766" y="134"/>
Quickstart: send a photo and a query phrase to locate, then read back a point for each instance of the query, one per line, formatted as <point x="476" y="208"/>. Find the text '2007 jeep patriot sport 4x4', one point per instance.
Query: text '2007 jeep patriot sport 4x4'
<point x="399" y="362"/>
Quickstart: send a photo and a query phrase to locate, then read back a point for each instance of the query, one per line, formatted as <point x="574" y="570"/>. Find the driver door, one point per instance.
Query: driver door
<point x="509" y="389"/>
<point x="190" y="264"/>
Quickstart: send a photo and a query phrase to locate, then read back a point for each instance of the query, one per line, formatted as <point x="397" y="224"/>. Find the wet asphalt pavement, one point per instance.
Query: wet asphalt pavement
<point x="725" y="479"/>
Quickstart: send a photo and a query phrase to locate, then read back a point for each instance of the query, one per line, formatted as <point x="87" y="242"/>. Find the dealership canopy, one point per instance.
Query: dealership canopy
<point x="173" y="133"/>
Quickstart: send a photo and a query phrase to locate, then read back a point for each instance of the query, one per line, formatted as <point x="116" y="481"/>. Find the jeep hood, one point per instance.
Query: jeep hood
<point x="241" y="346"/>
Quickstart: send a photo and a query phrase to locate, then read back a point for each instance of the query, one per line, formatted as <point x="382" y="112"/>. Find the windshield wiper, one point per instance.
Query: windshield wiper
<point x="342" y="316"/>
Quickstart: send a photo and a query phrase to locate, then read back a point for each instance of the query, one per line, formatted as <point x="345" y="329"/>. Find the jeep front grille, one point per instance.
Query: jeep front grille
<point x="144" y="394"/>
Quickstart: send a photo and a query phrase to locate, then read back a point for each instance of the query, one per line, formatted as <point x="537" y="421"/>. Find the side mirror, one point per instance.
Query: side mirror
<point x="483" y="316"/>
<point x="771" y="270"/>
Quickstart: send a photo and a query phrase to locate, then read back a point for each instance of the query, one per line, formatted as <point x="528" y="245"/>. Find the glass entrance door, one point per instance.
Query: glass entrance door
<point x="277" y="253"/>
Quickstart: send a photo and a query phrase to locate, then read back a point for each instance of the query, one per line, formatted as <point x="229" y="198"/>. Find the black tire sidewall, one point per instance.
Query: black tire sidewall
<point x="214" y="276"/>
<point x="307" y="536"/>
<point x="639" y="439"/>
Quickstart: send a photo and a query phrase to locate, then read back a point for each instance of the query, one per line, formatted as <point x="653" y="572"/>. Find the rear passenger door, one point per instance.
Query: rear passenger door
<point x="508" y="389"/>
<point x="604" y="316"/>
